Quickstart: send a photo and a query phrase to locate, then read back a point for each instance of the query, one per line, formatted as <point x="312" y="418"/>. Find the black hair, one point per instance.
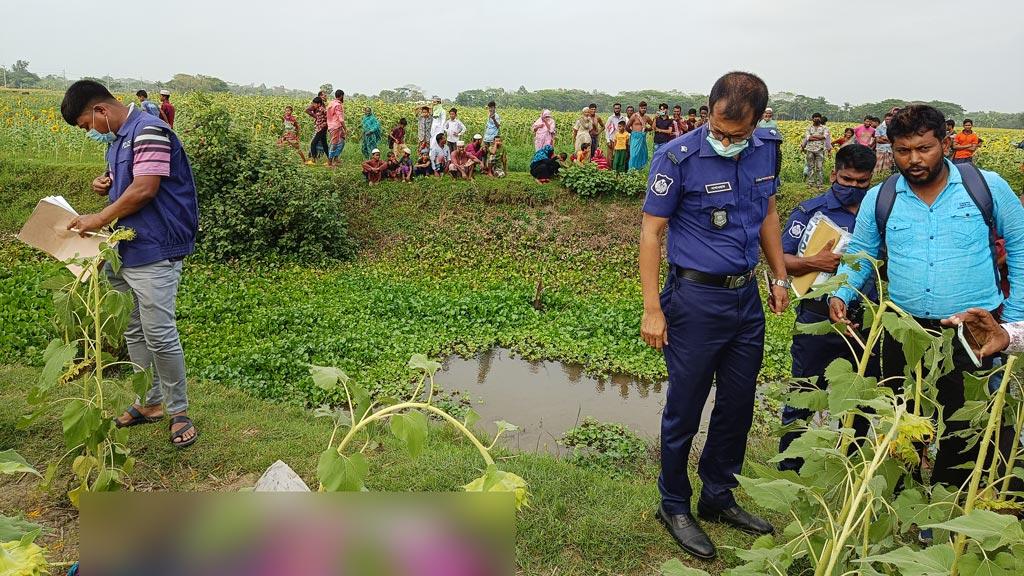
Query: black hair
<point x="630" y="106"/>
<point x="691" y="111"/>
<point x="950" y="122"/>
<point x="741" y="94"/>
<point x="454" y="110"/>
<point x="968" y="121"/>
<point x="339" y="93"/>
<point x="622" y="122"/>
<point x="917" y="119"/>
<point x="142" y="93"/>
<point x="402" y="121"/>
<point x="81" y="95"/>
<point x="869" y="117"/>
<point x="824" y="119"/>
<point x="438" y="137"/>
<point x="705" y="109"/>
<point x="677" y="107"/>
<point x="619" y="104"/>
<point x="491" y="104"/>
<point x="592" y="105"/>
<point x="585" y="145"/>
<point x="815" y="115"/>
<point x="663" y="105"/>
<point x="643" y="103"/>
<point x="855" y="156"/>
<point x="318" y="100"/>
<point x="562" y="155"/>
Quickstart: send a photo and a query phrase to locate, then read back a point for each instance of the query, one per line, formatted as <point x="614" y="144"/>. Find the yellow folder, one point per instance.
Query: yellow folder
<point x="823" y="232"/>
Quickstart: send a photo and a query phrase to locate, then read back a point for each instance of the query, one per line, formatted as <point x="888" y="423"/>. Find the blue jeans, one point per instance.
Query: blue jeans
<point x="152" y="332"/>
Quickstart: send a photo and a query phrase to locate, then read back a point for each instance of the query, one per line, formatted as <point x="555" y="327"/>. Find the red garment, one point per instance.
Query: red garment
<point x="475" y="150"/>
<point x="600" y="160"/>
<point x="168" y="109"/>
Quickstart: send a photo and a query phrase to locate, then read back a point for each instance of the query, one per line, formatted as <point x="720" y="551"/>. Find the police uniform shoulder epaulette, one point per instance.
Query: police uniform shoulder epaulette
<point x="768" y="134"/>
<point x="683" y="147"/>
<point x="811" y="204"/>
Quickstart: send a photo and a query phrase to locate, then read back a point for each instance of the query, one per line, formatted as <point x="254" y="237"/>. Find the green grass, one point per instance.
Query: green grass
<point x="581" y="521"/>
<point x="444" y="267"/>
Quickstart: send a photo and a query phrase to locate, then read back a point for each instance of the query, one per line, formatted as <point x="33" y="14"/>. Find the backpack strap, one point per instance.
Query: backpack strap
<point x="981" y="194"/>
<point x="883" y="208"/>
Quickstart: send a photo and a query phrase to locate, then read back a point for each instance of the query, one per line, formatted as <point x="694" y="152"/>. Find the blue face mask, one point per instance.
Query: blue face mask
<point x="729" y="151"/>
<point x="848" y="195"/>
<point x="104" y="137"/>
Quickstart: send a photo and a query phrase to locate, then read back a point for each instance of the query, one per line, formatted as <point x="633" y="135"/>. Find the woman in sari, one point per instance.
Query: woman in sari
<point x="543" y="130"/>
<point x="371" y="133"/>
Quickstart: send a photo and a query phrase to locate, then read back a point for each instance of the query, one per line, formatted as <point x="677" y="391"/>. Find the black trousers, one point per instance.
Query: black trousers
<point x="952" y="450"/>
<point x="320" y="138"/>
<point x="547" y="168"/>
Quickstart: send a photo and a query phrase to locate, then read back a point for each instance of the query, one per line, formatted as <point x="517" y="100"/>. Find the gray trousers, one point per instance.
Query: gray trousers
<point x="152" y="333"/>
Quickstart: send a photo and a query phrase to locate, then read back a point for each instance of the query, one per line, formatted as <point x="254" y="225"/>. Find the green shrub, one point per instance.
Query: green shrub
<point x="256" y="201"/>
<point x="605" y="445"/>
<point x="586" y="180"/>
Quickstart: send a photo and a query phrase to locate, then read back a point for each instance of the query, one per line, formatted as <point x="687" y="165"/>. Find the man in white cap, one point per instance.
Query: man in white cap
<point x="373" y="169"/>
<point x="462" y="164"/>
<point x="477" y="149"/>
<point x="768" y="120"/>
<point x="166" y="108"/>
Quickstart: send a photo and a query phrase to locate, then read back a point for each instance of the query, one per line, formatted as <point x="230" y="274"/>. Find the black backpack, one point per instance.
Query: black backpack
<point x="977" y="189"/>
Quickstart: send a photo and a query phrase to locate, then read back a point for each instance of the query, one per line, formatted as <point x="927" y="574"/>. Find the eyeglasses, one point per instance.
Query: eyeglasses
<point x="720" y="136"/>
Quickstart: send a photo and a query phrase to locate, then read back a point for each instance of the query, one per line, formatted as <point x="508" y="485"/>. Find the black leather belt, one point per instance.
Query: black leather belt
<point x="731" y="282"/>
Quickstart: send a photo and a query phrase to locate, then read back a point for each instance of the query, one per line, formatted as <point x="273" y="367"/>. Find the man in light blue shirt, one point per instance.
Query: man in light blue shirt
<point x="940" y="259"/>
<point x="493" y="128"/>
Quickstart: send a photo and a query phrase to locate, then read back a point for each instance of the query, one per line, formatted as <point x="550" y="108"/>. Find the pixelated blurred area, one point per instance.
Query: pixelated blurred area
<point x="279" y="534"/>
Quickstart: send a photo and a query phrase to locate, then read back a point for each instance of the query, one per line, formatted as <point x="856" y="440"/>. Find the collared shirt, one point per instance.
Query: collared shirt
<point x="940" y="261"/>
<point x="882" y="130"/>
<point x="828" y="205"/>
<point x="150" y="107"/>
<point x="612" y="126"/>
<point x="165" y="228"/>
<point x="817" y="145"/>
<point x="453" y="129"/>
<point x="715" y="205"/>
<point x="492" y="130"/>
<point x="335" y="114"/>
<point x="439" y="155"/>
<point x="168" y="110"/>
<point x="423" y="128"/>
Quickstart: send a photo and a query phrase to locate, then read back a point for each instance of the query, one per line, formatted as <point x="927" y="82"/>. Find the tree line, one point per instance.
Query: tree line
<point x="787" y="105"/>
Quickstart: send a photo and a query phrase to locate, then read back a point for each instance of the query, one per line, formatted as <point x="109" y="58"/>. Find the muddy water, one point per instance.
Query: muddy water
<point x="547" y="398"/>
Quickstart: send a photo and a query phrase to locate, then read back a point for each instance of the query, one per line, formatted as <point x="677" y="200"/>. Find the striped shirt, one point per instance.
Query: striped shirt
<point x="151" y="152"/>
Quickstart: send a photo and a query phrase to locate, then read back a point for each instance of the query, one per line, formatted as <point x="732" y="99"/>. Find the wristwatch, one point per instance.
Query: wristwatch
<point x="781" y="283"/>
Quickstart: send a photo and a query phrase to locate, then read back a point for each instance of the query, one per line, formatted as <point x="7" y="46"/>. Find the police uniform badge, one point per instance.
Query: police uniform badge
<point x="719" y="218"/>
<point x="796" y="230"/>
<point x="661" y="184"/>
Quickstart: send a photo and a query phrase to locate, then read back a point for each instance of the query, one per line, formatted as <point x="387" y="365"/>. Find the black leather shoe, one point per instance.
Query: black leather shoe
<point x="737" y="518"/>
<point x="688" y="534"/>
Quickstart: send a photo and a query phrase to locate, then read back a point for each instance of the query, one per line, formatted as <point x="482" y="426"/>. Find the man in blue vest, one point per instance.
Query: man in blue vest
<point x="941" y="257"/>
<point x="851" y="179"/>
<point x="150" y="189"/>
<point x="714" y="189"/>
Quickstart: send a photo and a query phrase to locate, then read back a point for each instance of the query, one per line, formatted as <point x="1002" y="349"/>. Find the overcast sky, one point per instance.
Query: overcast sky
<point x="967" y="52"/>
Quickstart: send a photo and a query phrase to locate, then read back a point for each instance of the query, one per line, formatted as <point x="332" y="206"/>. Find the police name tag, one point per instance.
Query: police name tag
<point x="718" y="187"/>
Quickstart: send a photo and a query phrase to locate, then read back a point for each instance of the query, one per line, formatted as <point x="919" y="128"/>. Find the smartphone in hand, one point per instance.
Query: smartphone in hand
<point x="970" y="343"/>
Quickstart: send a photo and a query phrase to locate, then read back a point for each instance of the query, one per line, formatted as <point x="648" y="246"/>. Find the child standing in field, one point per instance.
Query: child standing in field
<point x="290" y="135"/>
<point x="497" y="159"/>
<point x="620" y="161"/>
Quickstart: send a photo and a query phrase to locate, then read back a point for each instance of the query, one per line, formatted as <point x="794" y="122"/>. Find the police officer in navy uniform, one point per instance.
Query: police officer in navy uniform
<point x="713" y="188"/>
<point x="851" y="179"/>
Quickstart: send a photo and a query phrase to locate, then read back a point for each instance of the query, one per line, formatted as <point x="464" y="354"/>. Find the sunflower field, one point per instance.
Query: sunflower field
<point x="31" y="125"/>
